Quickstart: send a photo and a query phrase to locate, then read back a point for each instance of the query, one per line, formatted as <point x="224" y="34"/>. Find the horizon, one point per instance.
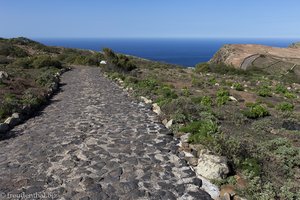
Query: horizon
<point x="139" y="19"/>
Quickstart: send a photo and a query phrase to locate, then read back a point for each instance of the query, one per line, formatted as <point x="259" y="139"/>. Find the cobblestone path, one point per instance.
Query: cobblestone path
<point x="94" y="142"/>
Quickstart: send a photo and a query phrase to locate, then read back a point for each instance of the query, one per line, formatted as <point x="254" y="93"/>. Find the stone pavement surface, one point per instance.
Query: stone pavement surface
<point x="94" y="142"/>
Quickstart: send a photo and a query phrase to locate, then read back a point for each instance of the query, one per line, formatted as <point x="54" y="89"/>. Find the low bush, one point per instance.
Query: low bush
<point x="46" y="61"/>
<point x="119" y="63"/>
<point x="285" y="107"/>
<point x="183" y="108"/>
<point x="280" y="89"/>
<point x="238" y="86"/>
<point x="264" y="91"/>
<point x="290" y="95"/>
<point x="202" y="67"/>
<point x="9" y="105"/>
<point x="201" y="131"/>
<point x="255" y="111"/>
<point x="23" y="63"/>
<point x="31" y="99"/>
<point x="45" y="79"/>
<point x="222" y="97"/>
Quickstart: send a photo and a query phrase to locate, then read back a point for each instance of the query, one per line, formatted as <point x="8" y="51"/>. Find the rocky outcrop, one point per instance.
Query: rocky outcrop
<point x="295" y="45"/>
<point x="243" y="55"/>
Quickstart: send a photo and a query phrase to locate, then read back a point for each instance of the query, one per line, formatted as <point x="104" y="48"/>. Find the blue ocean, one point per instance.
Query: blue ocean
<point x="185" y="52"/>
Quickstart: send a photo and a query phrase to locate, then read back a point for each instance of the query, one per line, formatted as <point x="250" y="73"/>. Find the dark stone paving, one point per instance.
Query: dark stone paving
<point x="94" y="142"/>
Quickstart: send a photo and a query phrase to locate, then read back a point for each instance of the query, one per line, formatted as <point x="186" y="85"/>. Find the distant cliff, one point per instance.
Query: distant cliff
<point x="245" y="56"/>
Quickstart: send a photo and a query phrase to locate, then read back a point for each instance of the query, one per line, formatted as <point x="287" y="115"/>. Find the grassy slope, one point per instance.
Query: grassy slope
<point x="258" y="133"/>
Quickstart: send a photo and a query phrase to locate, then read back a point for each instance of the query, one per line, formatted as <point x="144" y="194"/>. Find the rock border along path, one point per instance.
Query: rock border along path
<point x="94" y="142"/>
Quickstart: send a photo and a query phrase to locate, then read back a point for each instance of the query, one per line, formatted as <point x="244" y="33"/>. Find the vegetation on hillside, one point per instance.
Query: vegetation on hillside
<point x="31" y="67"/>
<point x="258" y="133"/>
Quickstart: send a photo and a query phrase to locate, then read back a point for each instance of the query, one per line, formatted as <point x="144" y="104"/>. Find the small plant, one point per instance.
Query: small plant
<point x="186" y="92"/>
<point x="285" y="107"/>
<point x="238" y="87"/>
<point x="251" y="165"/>
<point x="280" y="89"/>
<point x="290" y="95"/>
<point x="206" y="101"/>
<point x="255" y="111"/>
<point x="212" y="81"/>
<point x="206" y="129"/>
<point x="222" y="97"/>
<point x="264" y="91"/>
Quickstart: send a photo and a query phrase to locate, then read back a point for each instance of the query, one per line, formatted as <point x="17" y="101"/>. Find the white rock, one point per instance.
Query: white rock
<point x="217" y="84"/>
<point x="147" y="101"/>
<point x="188" y="154"/>
<point x="169" y="124"/>
<point x="211" y="166"/>
<point x="210" y="188"/>
<point x="103" y="62"/>
<point x="13" y="120"/>
<point x="232" y="98"/>
<point x="185" y="138"/>
<point x="164" y="122"/>
<point x="156" y="109"/>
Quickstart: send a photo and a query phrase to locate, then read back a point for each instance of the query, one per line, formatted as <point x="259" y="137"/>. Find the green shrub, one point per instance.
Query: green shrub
<point x="183" y="106"/>
<point x="167" y="92"/>
<point x="46" y="61"/>
<point x="186" y="92"/>
<point x="31" y="99"/>
<point x="238" y="86"/>
<point x="280" y="89"/>
<point x="9" y="105"/>
<point x="251" y="165"/>
<point x="202" y="67"/>
<point x="285" y="107"/>
<point x="120" y="63"/>
<point x="148" y="83"/>
<point x="201" y="131"/>
<point x="255" y="111"/>
<point x="222" y="97"/>
<point x="23" y="63"/>
<point x="45" y="79"/>
<point x="290" y="95"/>
<point x="206" y="101"/>
<point x="264" y="91"/>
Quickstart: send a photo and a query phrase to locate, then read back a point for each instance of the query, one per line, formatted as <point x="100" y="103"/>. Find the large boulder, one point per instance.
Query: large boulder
<point x="212" y="166"/>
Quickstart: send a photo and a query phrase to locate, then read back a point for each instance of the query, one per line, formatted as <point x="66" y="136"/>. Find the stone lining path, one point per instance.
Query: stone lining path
<point x="93" y="142"/>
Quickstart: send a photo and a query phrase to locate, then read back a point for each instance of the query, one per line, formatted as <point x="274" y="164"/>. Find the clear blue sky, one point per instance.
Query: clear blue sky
<point x="149" y="18"/>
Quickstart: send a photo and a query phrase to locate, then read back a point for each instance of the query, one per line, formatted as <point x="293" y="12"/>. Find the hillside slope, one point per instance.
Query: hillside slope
<point x="272" y="59"/>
